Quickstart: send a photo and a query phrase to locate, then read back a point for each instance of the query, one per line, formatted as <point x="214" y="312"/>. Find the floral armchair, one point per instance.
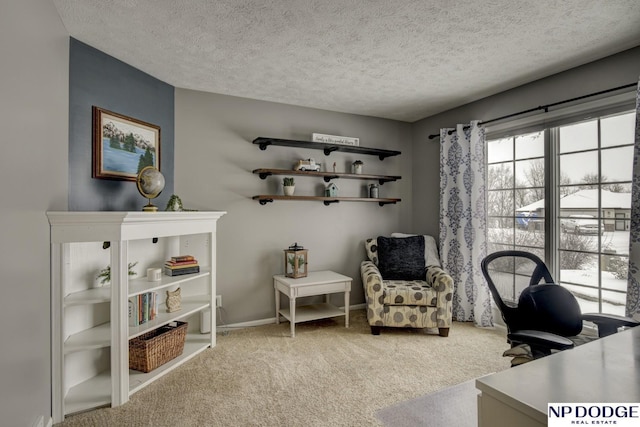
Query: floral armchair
<point x="404" y="284"/>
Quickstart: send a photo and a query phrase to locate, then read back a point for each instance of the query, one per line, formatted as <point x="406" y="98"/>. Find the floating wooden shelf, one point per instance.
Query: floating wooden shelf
<point x="328" y="176"/>
<point x="263" y="143"/>
<point x="267" y="198"/>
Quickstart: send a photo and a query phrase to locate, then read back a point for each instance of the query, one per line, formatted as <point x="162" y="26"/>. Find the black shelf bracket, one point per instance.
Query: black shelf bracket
<point x="265" y="201"/>
<point x="264" y="144"/>
<point x="264" y="175"/>
<point x="329" y="150"/>
<point x="386" y="203"/>
<point x="328" y="202"/>
<point x="328" y="178"/>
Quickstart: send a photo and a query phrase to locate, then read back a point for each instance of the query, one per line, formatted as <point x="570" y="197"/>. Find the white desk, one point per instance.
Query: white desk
<point x="605" y="370"/>
<point x="316" y="283"/>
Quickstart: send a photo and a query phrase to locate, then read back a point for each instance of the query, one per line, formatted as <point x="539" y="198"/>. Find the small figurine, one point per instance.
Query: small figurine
<point x="173" y="301"/>
<point x="307" y="165"/>
<point x="331" y="190"/>
<point x="356" y="167"/>
<point x="174" y="204"/>
<point x="334" y="167"/>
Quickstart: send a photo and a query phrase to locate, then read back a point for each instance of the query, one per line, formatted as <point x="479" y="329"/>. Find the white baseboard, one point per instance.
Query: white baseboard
<point x="270" y="320"/>
<point x="43" y="421"/>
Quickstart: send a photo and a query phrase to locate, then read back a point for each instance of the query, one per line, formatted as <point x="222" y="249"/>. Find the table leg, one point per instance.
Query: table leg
<point x="292" y="311"/>
<point x="277" y="306"/>
<point x="346" y="309"/>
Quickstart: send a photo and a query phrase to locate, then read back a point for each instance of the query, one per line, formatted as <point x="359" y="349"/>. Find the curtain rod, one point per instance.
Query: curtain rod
<point x="544" y="107"/>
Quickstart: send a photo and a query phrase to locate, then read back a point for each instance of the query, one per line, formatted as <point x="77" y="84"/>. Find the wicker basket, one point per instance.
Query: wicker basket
<point x="157" y="347"/>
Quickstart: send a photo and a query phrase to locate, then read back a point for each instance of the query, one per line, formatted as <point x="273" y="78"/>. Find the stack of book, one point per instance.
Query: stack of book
<point x="179" y="265"/>
<point x="143" y="308"/>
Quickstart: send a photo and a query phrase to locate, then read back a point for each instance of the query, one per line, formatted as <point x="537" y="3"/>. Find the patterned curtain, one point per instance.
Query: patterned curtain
<point x="463" y="223"/>
<point x="633" y="285"/>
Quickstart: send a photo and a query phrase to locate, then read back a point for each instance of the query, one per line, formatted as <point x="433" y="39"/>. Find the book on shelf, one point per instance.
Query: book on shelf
<point x="143" y="308"/>
<point x="180" y="271"/>
<point x="178" y="263"/>
<point x="180" y="258"/>
<point x="176" y="266"/>
<point x="133" y="311"/>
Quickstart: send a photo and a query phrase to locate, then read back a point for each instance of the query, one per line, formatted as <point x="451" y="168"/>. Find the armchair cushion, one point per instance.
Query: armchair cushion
<point x="409" y="292"/>
<point x="401" y="258"/>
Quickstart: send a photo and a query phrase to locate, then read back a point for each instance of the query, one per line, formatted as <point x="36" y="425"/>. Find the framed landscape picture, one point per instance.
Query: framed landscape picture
<point x="122" y="145"/>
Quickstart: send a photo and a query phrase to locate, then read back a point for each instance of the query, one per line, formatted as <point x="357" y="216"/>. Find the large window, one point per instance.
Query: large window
<point x="581" y="228"/>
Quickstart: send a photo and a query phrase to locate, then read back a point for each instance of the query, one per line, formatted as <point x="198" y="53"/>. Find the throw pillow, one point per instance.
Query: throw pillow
<point x="430" y="249"/>
<point x="401" y="258"/>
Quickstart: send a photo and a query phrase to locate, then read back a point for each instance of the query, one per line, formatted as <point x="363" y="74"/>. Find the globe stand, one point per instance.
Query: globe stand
<point x="150" y="207"/>
<point x="150" y="184"/>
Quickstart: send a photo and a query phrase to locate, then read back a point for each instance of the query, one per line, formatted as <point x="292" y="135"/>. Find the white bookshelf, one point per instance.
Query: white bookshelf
<point x="194" y="344"/>
<point x="90" y="325"/>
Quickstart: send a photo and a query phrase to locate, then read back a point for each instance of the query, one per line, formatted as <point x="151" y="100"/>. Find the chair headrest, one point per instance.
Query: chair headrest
<point x="550" y="308"/>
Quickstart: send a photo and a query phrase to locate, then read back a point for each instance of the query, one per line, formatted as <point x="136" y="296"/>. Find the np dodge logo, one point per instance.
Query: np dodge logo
<point x="572" y="414"/>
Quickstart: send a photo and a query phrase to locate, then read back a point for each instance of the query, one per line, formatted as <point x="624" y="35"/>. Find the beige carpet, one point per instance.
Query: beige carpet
<point x="326" y="376"/>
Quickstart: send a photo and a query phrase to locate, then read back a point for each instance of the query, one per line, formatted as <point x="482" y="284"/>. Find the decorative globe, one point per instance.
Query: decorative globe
<point x="150" y="184"/>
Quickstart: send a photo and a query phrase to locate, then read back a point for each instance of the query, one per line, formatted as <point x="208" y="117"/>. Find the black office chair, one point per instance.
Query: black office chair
<point x="544" y="315"/>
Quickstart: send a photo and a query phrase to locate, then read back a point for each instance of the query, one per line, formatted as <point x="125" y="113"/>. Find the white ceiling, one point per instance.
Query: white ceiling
<point x="398" y="59"/>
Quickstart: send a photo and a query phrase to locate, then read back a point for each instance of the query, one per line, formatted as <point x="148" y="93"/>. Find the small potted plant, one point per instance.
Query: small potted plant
<point x="105" y="274"/>
<point x="289" y="185"/>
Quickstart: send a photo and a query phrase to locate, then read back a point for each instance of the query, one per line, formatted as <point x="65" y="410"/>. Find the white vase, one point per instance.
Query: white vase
<point x="288" y="190"/>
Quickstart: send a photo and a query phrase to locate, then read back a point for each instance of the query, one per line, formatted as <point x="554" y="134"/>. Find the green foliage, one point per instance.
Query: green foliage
<point x="292" y="260"/>
<point x="129" y="143"/>
<point x="146" y="159"/>
<point x="114" y="142"/>
<point x="105" y="273"/>
<point x="288" y="181"/>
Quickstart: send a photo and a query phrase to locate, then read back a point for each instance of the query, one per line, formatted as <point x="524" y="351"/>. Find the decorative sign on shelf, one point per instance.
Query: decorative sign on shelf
<point x="333" y="139"/>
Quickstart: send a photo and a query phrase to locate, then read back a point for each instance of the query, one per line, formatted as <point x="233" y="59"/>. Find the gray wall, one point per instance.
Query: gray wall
<point x="214" y="160"/>
<point x="96" y="78"/>
<point x="34" y="119"/>
<point x="610" y="72"/>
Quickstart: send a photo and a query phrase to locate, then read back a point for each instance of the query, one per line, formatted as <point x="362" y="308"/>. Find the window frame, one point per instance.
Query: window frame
<point x="550" y="125"/>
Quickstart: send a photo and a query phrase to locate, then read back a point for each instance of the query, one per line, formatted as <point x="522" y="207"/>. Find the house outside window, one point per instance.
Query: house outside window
<point x="581" y="227"/>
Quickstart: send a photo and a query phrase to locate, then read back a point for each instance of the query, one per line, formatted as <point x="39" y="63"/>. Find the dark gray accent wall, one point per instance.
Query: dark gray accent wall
<point x="96" y="78"/>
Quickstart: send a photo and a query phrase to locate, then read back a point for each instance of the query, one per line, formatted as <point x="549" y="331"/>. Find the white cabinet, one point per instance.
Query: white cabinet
<point x="90" y="328"/>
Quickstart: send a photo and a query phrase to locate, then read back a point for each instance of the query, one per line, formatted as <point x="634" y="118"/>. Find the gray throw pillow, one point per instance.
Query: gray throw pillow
<point x="401" y="258"/>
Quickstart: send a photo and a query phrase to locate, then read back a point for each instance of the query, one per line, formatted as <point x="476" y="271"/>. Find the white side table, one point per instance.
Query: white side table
<point x="316" y="283"/>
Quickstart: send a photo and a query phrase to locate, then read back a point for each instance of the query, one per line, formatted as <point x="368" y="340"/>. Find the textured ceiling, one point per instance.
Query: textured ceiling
<point x="398" y="59"/>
